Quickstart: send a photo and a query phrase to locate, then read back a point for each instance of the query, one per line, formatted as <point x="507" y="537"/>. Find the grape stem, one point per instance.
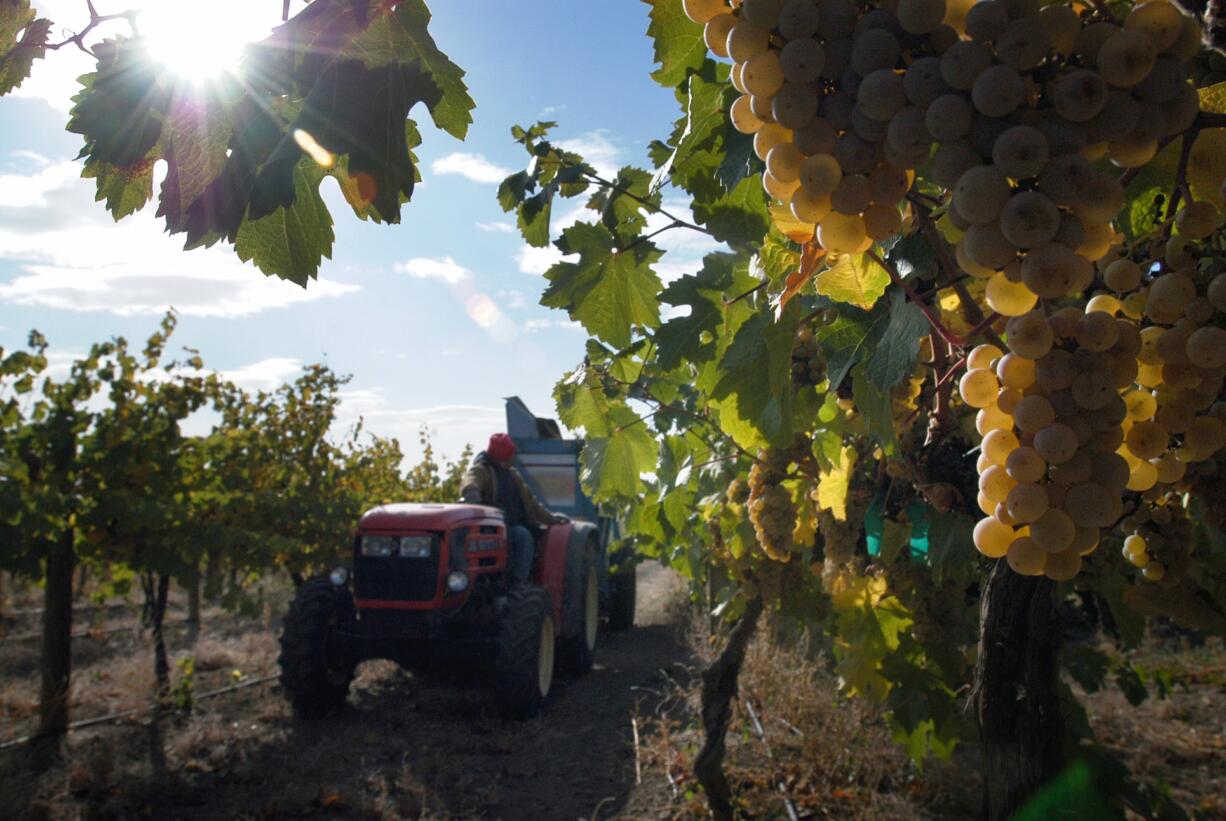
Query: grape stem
<point x="1181" y="180"/>
<point x="953" y="276"/>
<point x="983" y="324"/>
<point x="78" y="39"/>
<point x="749" y="293"/>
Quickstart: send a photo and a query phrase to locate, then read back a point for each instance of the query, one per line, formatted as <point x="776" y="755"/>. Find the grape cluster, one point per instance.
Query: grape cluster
<point x="819" y="83"/>
<point x="738" y="491"/>
<point x="808" y="363"/>
<point x="771" y="510"/>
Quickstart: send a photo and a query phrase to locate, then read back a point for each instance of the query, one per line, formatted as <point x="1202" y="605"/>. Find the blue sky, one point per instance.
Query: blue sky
<point x="405" y="309"/>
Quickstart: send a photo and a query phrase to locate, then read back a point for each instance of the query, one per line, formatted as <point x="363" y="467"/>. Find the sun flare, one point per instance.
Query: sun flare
<point x="200" y="41"/>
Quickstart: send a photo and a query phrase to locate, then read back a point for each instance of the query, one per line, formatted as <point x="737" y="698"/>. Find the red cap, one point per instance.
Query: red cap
<point x="500" y="448"/>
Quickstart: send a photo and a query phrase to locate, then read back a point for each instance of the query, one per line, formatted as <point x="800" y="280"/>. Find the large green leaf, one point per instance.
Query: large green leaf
<point x="612" y="466"/>
<point x="610" y="292"/>
<point x="679" y="45"/>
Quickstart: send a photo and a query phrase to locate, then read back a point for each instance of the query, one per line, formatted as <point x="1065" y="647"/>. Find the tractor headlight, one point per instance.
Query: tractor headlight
<point x="415" y="547"/>
<point x="378" y="545"/>
<point x="339" y="576"/>
<point x="457" y="581"/>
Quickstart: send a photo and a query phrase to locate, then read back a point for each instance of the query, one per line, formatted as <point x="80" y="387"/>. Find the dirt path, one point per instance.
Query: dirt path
<point x="402" y="748"/>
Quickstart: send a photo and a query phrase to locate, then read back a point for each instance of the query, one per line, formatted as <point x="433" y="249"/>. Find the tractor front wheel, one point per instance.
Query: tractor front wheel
<point x="523" y="667"/>
<point x="315" y="681"/>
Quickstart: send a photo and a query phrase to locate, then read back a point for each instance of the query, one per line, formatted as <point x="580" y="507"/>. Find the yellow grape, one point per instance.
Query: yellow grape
<point x="1015" y="371"/>
<point x="1025" y="559"/>
<point x="997" y="446"/>
<point x="820" y="174"/>
<point x="808" y="208"/>
<point x="715" y="33"/>
<point x="986" y="504"/>
<point x="700" y="11"/>
<point x="769" y="136"/>
<point x="992" y="538"/>
<point x="1062" y="567"/>
<point x="842" y="233"/>
<point x="992" y="418"/>
<point x="746" y="41"/>
<point x="1054" y="531"/>
<point x="1154" y="572"/>
<point x="1009" y="298"/>
<point x="1026" y="503"/>
<point x="1135" y="543"/>
<point x="1024" y="464"/>
<point x="742" y="117"/>
<point x="984" y="356"/>
<point x="978" y="388"/>
<point x="781" y="191"/>
<point x="996" y="483"/>
<point x="1143" y="477"/>
<point x="1141" y="405"/>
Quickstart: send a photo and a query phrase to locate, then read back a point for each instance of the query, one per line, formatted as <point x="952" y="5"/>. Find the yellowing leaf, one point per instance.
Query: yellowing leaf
<point x="832" y="490"/>
<point x="853" y="278"/>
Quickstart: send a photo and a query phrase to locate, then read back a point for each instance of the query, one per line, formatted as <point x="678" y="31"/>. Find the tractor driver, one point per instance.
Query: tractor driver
<point x="491" y="480"/>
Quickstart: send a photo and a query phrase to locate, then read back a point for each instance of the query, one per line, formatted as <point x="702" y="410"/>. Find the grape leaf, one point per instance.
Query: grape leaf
<point x="337" y="81"/>
<point x="17" y="55"/>
<point x="126" y="189"/>
<point x="853" y="278"/>
<point x="896" y="349"/>
<point x="679" y="44"/>
<point x="833" y="486"/>
<point x="680" y="339"/>
<point x="609" y="292"/>
<point x="754" y="392"/>
<point x="699" y="136"/>
<point x="845" y="340"/>
<point x="294" y="237"/>
<point x="621" y="207"/>
<point x="875" y="407"/>
<point x="738" y="217"/>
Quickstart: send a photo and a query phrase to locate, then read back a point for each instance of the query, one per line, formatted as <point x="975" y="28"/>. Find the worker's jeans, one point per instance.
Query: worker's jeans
<point x="523" y="547"/>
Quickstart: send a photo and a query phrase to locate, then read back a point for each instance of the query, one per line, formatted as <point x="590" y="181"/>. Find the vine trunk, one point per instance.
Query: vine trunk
<point x="1016" y="695"/>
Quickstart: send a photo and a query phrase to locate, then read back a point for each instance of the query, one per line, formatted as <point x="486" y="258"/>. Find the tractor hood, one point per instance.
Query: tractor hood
<point x="424" y="516"/>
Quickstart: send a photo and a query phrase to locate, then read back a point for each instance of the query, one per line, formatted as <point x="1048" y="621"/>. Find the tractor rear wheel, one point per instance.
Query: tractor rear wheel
<point x="581" y="606"/>
<point x="622" y="595"/>
<point x="523" y="666"/>
<point x="314" y="681"/>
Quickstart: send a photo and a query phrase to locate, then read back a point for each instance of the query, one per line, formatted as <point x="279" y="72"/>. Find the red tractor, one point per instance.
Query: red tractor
<point x="429" y="590"/>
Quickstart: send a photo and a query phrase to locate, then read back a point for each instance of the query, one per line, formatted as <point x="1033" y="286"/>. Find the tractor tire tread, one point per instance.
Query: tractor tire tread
<point x="304" y="676"/>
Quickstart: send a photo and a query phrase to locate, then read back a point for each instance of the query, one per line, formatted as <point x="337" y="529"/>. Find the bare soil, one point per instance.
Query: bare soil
<point x="401" y="747"/>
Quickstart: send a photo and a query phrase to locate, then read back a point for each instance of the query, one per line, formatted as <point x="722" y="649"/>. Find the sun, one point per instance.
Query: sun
<point x="202" y="40"/>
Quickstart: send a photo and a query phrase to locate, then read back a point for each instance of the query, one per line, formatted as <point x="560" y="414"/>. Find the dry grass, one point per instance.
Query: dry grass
<point x="833" y="757"/>
<point x="1178" y="741"/>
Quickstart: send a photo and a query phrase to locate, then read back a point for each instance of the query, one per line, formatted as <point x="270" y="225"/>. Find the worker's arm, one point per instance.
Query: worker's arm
<point x="475" y="489"/>
<point x="537" y="512"/>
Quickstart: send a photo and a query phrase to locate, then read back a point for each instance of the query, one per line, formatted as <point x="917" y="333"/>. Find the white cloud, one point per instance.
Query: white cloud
<point x="451" y="427"/>
<point x="445" y="270"/>
<point x="598" y="149"/>
<point x="536" y="325"/>
<point x="537" y="260"/>
<point x="497" y="227"/>
<point x="552" y="109"/>
<point x="473" y="166"/>
<point x="267" y="374"/>
<point x="512" y="300"/>
<point x="31" y="191"/>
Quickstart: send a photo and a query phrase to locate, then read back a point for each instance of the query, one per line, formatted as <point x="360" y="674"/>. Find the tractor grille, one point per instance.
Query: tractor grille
<point x="396" y="578"/>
